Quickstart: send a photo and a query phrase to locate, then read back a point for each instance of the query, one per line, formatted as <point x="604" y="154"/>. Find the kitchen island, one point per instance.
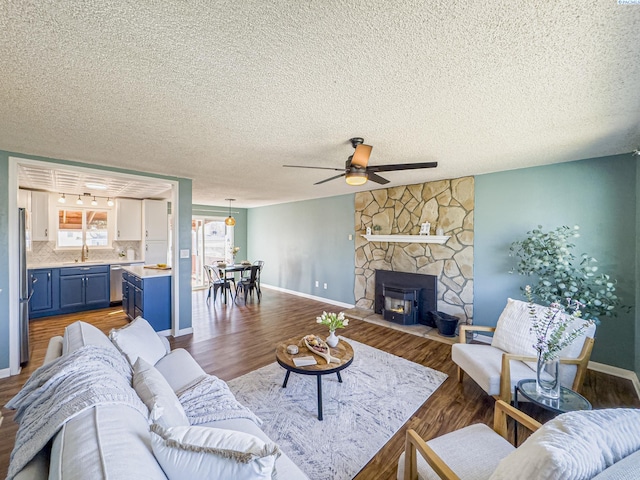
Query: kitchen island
<point x="146" y="292"/>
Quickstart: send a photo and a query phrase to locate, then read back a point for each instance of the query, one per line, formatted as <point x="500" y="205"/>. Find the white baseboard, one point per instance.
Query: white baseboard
<point x="311" y="297"/>
<point x="617" y="372"/>
<point x="5" y="372"/>
<point x="183" y="331"/>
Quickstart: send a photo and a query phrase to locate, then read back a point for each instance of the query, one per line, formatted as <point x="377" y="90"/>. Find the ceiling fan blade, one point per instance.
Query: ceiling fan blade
<point x="361" y="155"/>
<point x="317" y="168"/>
<point x="401" y="166"/>
<point x="377" y="178"/>
<point x="331" y="178"/>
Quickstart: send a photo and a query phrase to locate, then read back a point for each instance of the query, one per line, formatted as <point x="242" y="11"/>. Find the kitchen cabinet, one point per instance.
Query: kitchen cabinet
<point x="40" y="216"/>
<point x="156" y="231"/>
<point x="147" y="295"/>
<point x="128" y="219"/>
<point x="44" y="299"/>
<point x="84" y="288"/>
<point x="156" y="220"/>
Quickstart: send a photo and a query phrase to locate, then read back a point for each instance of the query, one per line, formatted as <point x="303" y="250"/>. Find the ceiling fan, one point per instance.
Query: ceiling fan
<point x="356" y="170"/>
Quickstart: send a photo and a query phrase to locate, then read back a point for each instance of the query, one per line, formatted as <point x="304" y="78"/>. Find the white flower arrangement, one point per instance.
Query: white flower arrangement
<point x="332" y="320"/>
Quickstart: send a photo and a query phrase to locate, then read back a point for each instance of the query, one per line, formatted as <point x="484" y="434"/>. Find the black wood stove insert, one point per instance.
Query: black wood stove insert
<point x="405" y="298"/>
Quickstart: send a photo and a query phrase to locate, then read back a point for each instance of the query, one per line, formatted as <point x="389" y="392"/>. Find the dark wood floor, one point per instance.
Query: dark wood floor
<point x="229" y="341"/>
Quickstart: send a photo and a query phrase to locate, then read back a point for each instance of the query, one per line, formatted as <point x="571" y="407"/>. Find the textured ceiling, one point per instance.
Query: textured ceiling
<point x="226" y="92"/>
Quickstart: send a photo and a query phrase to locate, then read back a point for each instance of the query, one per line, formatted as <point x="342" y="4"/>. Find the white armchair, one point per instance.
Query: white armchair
<point x="598" y="444"/>
<point x="511" y="357"/>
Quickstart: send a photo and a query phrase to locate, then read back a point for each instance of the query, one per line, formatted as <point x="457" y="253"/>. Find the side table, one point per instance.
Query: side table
<point x="568" y="401"/>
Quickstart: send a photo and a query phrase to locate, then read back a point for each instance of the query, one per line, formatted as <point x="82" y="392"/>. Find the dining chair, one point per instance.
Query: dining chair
<point x="216" y="283"/>
<point x="260" y="263"/>
<point x="250" y="283"/>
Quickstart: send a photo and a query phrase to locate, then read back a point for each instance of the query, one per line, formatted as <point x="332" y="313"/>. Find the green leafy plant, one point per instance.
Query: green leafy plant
<point x="548" y="257"/>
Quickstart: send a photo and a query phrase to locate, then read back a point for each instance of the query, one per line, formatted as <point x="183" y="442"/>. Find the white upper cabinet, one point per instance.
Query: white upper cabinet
<point x="156" y="220"/>
<point x="40" y="216"/>
<point x="24" y="198"/>
<point x="128" y="219"/>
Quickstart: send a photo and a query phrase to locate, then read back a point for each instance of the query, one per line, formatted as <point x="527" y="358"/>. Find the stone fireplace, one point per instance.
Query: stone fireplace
<point x="445" y="204"/>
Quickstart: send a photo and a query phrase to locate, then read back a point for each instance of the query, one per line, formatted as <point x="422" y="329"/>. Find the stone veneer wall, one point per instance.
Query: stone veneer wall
<point x="447" y="204"/>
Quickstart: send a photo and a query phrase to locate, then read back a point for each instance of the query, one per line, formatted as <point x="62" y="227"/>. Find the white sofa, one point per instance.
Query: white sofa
<point x="111" y="441"/>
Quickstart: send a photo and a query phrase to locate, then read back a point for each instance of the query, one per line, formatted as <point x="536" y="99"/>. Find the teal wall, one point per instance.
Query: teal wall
<point x="637" y="263"/>
<point x="305" y="242"/>
<point x="184" y="236"/>
<point x="599" y="195"/>
<point x="240" y="230"/>
<point x="4" y="261"/>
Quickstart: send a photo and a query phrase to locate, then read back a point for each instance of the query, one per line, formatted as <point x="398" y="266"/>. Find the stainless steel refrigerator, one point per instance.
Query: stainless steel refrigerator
<point x="26" y="289"/>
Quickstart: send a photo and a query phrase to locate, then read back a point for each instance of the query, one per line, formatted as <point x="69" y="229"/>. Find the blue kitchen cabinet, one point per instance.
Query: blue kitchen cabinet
<point x="84" y="288"/>
<point x="149" y="298"/>
<point x="44" y="299"/>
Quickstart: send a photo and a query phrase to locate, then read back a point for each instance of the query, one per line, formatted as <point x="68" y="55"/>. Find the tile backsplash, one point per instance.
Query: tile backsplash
<point x="46" y="253"/>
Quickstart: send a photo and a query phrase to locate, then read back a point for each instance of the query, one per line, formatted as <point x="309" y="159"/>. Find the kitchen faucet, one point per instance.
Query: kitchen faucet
<point x="84" y="255"/>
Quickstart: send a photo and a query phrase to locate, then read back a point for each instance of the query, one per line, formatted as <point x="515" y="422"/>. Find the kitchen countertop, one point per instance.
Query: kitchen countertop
<point x="90" y="263"/>
<point x="141" y="272"/>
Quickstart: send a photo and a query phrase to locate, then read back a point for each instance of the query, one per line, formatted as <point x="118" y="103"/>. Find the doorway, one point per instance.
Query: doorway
<point x="209" y="238"/>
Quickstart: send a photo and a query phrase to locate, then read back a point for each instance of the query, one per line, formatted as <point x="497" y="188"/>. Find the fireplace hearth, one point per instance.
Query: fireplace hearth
<point x="405" y="298"/>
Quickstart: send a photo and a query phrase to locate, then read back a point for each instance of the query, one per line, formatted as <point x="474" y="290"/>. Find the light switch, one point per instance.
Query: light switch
<point x="350" y="237"/>
<point x="184" y="253"/>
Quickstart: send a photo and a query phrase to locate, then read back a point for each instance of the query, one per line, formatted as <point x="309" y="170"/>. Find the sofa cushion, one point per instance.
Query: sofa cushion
<point x="104" y="442"/>
<point x="475" y="463"/>
<point x="179" y="369"/>
<point x="285" y="467"/>
<point x="79" y="334"/>
<point x="574" y="445"/>
<point x="138" y="339"/>
<point x="626" y="469"/>
<point x="157" y="395"/>
<point x="205" y="452"/>
<point x="483" y="363"/>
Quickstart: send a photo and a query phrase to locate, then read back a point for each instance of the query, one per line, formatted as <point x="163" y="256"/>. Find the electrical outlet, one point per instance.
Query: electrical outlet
<point x="317" y="283"/>
<point x="350" y="237"/>
<point x="184" y="253"/>
<point x="325" y="286"/>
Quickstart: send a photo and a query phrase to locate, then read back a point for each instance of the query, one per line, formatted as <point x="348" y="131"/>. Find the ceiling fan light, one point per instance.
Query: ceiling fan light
<point x="356" y="178"/>
<point x="361" y="155"/>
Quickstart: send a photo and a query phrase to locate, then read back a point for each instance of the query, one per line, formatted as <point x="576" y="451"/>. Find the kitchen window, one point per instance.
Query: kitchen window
<point x="78" y="227"/>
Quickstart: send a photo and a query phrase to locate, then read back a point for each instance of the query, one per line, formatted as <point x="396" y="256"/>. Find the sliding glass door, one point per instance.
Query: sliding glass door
<point x="209" y="238"/>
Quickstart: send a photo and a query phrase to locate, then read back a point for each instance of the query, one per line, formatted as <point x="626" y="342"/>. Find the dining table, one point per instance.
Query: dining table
<point x="224" y="271"/>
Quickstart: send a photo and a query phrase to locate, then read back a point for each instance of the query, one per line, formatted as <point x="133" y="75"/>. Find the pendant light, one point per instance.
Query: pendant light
<point x="94" y="202"/>
<point x="62" y="199"/>
<point x="230" y="221"/>
<point x="109" y="202"/>
<point x="79" y="201"/>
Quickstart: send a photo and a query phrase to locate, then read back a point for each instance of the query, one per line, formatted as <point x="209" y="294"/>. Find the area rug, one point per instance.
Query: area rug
<point x="378" y="395"/>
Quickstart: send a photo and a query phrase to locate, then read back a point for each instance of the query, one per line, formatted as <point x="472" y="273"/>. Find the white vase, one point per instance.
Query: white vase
<point x="332" y="339"/>
<point x="547" y="379"/>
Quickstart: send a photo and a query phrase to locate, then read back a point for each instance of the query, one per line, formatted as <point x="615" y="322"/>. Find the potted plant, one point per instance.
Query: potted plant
<point x="548" y="257"/>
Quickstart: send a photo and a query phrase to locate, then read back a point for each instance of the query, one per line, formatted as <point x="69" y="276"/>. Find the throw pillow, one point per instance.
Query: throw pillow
<point x="513" y="330"/>
<point x="157" y="395"/>
<point x="207" y="452"/>
<point x="574" y="445"/>
<point x="79" y="334"/>
<point x="138" y="339"/>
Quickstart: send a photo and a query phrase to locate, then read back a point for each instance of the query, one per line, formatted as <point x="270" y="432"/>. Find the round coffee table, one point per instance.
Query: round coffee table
<point x="342" y="352"/>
